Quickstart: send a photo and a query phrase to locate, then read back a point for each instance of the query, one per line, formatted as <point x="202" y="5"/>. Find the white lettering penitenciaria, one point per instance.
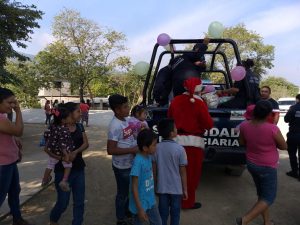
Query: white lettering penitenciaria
<point x="221" y="142"/>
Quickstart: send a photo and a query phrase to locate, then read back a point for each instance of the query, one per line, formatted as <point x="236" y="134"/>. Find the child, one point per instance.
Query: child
<point x="248" y="115"/>
<point x="138" y="119"/>
<point x="169" y="163"/>
<point x="142" y="198"/>
<point x="121" y="144"/>
<point x="59" y="142"/>
<point x="262" y="141"/>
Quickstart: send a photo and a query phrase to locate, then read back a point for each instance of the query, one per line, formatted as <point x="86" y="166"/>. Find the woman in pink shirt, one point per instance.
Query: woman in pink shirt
<point x="262" y="139"/>
<point x="10" y="154"/>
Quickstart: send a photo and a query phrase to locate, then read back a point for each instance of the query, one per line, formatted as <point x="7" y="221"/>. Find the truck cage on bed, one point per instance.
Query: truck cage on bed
<point x="149" y="83"/>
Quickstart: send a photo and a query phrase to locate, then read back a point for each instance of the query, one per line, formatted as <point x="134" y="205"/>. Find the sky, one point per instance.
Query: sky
<point x="278" y="22"/>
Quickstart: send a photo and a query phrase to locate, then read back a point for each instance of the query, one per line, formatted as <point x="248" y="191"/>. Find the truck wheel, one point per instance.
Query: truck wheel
<point x="235" y="170"/>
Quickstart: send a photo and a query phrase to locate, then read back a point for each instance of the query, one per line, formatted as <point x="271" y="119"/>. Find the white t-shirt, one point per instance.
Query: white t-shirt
<point x="121" y="132"/>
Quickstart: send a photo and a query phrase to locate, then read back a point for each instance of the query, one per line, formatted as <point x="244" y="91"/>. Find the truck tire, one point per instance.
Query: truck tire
<point x="236" y="170"/>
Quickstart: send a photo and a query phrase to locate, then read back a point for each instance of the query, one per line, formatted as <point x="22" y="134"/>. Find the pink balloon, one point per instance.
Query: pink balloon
<point x="163" y="39"/>
<point x="209" y="88"/>
<point x="238" y="73"/>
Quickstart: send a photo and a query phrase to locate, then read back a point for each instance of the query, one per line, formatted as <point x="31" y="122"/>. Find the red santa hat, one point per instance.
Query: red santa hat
<point x="192" y="85"/>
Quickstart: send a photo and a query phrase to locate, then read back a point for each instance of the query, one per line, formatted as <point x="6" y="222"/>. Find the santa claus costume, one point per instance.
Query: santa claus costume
<point x="192" y="119"/>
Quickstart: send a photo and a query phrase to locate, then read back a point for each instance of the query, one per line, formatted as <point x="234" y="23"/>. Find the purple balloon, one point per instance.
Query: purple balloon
<point x="238" y="73"/>
<point x="209" y="88"/>
<point x="163" y="39"/>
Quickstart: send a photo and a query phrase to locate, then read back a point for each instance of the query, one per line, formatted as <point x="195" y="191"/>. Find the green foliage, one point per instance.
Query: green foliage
<point x="250" y="45"/>
<point x="84" y="51"/>
<point x="127" y="84"/>
<point x="56" y="62"/>
<point x="17" y="22"/>
<point x="280" y="87"/>
<point x="27" y="91"/>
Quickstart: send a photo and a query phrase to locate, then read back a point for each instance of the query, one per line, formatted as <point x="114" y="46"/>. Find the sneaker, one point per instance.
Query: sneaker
<point x="21" y="222"/>
<point x="197" y="205"/>
<point x="292" y="174"/>
<point x="64" y="185"/>
<point x="238" y="221"/>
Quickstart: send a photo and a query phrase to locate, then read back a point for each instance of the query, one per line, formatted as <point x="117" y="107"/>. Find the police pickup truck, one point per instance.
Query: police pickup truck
<point x="222" y="145"/>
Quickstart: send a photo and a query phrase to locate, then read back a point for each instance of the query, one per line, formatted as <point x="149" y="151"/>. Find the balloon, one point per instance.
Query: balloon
<point x="141" y="68"/>
<point x="215" y="29"/>
<point x="238" y="73"/>
<point x="163" y="39"/>
<point x="209" y="88"/>
<point x="168" y="48"/>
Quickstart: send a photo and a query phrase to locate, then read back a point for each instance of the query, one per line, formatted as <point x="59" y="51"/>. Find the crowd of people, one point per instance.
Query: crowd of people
<point x="143" y="165"/>
<point x="50" y="109"/>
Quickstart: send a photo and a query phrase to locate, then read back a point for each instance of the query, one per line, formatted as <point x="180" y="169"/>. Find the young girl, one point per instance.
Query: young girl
<point x="262" y="140"/>
<point x="59" y="142"/>
<point x="77" y="175"/>
<point x="138" y="119"/>
<point x="248" y="115"/>
<point x="10" y="154"/>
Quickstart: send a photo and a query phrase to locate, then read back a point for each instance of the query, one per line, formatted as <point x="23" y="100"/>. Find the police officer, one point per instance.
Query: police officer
<point x="293" y="137"/>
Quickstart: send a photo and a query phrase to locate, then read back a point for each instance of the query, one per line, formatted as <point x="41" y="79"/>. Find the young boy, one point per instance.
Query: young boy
<point x="121" y="144"/>
<point x="142" y="198"/>
<point x="169" y="163"/>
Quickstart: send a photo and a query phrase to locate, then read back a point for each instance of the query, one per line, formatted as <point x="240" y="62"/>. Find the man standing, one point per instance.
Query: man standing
<point x="265" y="93"/>
<point x="293" y="137"/>
<point x="192" y="119"/>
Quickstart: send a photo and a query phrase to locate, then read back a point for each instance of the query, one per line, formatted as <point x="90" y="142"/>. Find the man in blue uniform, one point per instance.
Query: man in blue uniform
<point x="172" y="76"/>
<point x="293" y="137"/>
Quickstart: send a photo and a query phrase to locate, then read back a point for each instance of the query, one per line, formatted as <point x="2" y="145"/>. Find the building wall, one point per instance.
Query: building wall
<point x="63" y="94"/>
<point x="63" y="91"/>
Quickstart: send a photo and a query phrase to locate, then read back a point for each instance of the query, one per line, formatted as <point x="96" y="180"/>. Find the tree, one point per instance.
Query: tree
<point x="250" y="45"/>
<point x="56" y="62"/>
<point x="17" y="22"/>
<point x="280" y="87"/>
<point x="127" y="84"/>
<point x="27" y="91"/>
<point x="83" y="51"/>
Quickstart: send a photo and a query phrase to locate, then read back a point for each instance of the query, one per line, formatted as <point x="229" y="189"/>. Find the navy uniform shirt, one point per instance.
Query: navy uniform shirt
<point x="293" y="118"/>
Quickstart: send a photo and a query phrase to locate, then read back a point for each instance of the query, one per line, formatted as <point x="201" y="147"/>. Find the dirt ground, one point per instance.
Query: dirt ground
<point x="223" y="197"/>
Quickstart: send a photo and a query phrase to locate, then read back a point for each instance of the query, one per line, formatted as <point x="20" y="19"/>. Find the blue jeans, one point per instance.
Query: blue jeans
<point x="122" y="198"/>
<point x="153" y="216"/>
<point x="10" y="184"/>
<point x="265" y="179"/>
<point x="77" y="185"/>
<point x="169" y="204"/>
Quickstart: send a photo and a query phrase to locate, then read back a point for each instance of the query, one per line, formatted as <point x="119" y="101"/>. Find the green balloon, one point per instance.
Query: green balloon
<point x="141" y="68"/>
<point x="216" y="29"/>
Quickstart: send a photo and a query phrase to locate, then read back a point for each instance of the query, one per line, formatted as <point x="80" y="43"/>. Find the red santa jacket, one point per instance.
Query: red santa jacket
<point x="190" y="117"/>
